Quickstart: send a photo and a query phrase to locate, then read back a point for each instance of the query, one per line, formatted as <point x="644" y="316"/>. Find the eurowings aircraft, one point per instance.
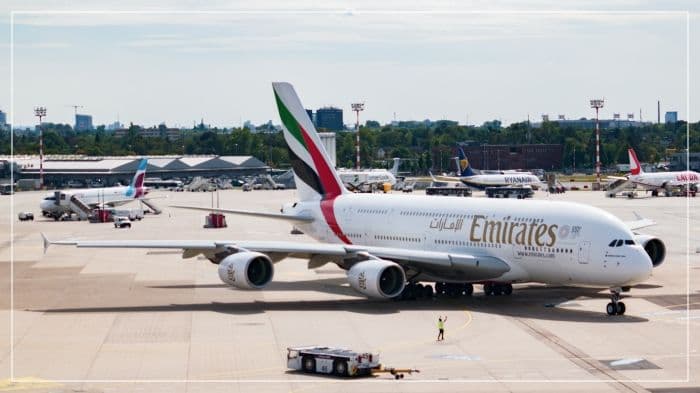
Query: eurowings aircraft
<point x="389" y="243"/>
<point x="481" y="181"/>
<point x="655" y="181"/>
<point x="59" y="203"/>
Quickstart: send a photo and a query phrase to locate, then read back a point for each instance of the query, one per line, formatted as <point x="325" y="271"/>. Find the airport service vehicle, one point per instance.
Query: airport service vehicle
<point x="122" y="222"/>
<point x="449" y="191"/>
<point x="157" y="183"/>
<point x="653" y="181"/>
<point x="338" y="361"/>
<point x="26" y="216"/>
<point x="6" y="189"/>
<point x="510" y="192"/>
<point x="82" y="201"/>
<point x="390" y="244"/>
<point x="481" y="181"/>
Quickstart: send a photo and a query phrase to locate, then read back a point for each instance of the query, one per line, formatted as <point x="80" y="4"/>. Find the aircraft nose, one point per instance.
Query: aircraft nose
<point x="641" y="266"/>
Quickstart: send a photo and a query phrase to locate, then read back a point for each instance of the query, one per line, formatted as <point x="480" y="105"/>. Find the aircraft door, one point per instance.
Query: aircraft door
<point x="584" y="248"/>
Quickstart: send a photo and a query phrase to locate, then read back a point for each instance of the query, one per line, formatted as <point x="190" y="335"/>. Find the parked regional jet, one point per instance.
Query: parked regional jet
<point x="357" y="178"/>
<point x="481" y="181"/>
<point x="81" y="201"/>
<point x="656" y="181"/>
<point x="389" y="244"/>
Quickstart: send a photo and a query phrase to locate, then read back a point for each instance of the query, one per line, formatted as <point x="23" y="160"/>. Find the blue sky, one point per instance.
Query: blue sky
<point x="420" y="62"/>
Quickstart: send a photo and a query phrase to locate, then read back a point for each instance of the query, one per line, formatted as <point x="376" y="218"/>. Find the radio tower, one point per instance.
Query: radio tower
<point x="597" y="104"/>
<point x="40" y="112"/>
<point x="357" y="108"/>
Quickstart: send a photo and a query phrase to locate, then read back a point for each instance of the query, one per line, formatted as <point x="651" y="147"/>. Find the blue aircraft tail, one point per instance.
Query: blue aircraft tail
<point x="464" y="168"/>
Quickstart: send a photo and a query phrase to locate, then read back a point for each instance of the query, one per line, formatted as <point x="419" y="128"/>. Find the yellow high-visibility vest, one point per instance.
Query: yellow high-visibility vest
<point x="441" y="325"/>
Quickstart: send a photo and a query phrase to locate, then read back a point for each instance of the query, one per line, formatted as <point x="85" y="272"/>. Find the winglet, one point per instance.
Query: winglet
<point x="640" y="222"/>
<point x="47" y="242"/>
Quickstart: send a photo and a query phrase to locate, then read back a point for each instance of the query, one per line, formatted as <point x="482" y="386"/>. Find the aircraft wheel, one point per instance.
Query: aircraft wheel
<point x="508" y="289"/>
<point x="468" y="290"/>
<point x="308" y="364"/>
<point x="488" y="289"/>
<point x="621" y="308"/>
<point x="428" y="291"/>
<point x="440" y="288"/>
<point x="611" y="309"/>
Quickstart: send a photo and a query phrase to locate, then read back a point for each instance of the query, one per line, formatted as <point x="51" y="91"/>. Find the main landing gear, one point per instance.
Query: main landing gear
<point x="450" y="289"/>
<point x="615" y="307"/>
<point x="497" y="289"/>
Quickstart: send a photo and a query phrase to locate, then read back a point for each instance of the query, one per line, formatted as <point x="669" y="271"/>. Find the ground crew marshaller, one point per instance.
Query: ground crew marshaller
<point x="441" y="328"/>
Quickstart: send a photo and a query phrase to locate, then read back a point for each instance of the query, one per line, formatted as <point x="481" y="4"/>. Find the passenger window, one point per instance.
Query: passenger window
<point x="619" y="243"/>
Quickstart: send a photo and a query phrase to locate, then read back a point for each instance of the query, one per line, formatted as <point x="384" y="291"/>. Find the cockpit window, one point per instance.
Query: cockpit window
<point x="50" y="198"/>
<point x="629" y="242"/>
<point x="612" y="243"/>
<point x="619" y="243"/>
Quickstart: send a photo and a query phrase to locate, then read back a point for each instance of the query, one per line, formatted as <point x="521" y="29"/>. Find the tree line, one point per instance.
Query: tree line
<point x="421" y="145"/>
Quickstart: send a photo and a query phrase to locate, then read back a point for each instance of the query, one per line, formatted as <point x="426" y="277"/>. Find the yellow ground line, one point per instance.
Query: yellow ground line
<point x="25" y="383"/>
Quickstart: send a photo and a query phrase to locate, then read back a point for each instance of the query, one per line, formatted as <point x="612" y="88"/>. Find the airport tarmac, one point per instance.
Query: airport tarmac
<point x="148" y="321"/>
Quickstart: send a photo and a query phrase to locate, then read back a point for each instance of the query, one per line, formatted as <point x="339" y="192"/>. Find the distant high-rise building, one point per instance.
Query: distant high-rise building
<point x="671" y="117"/>
<point x="83" y="122"/>
<point x="329" y="118"/>
<point x="311" y="114"/>
<point x="3" y="119"/>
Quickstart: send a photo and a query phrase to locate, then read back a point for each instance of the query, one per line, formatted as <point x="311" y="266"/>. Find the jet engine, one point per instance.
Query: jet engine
<point x="246" y="270"/>
<point x="377" y="278"/>
<point x="654" y="247"/>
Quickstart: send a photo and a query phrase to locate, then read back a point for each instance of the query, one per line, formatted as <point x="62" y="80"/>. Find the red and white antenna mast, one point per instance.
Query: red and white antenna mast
<point x="357" y="108"/>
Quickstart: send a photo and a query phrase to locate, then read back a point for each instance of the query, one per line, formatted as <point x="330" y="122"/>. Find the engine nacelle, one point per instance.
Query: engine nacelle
<point x="377" y="278"/>
<point x="246" y="270"/>
<point x="655" y="248"/>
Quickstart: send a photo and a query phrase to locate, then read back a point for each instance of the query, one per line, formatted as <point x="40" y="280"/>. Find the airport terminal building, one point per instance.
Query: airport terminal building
<point x="524" y="156"/>
<point x="59" y="170"/>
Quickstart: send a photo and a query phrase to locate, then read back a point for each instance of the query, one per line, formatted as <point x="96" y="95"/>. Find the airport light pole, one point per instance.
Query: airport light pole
<point x="40" y="112"/>
<point x="357" y="108"/>
<point x="597" y="104"/>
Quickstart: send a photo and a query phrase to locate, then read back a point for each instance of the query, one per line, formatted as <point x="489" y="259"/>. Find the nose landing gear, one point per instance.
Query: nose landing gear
<point x="615" y="307"/>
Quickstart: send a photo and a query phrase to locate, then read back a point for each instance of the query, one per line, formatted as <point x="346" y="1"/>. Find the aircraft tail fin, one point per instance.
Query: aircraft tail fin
<point x="635" y="166"/>
<point x="395" y="168"/>
<point x="136" y="188"/>
<point x="315" y="177"/>
<point x="464" y="168"/>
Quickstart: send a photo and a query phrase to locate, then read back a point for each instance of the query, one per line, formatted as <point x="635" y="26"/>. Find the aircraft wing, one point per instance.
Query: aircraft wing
<point x="479" y="267"/>
<point x="617" y="178"/>
<point x="443" y="178"/>
<point x="278" y="216"/>
<point x="640" y="222"/>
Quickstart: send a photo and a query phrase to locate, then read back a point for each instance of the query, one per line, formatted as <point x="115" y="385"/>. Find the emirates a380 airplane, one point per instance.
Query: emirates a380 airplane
<point x="389" y="244"/>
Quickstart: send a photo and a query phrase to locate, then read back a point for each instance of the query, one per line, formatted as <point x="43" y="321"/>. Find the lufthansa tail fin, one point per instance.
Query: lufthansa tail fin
<point x="635" y="166"/>
<point x="315" y="177"/>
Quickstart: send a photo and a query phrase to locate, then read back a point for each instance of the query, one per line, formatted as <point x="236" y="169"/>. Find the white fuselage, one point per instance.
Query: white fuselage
<point x="500" y="180"/>
<point x="111" y="196"/>
<point x="656" y="180"/>
<point x="373" y="176"/>
<point x="542" y="241"/>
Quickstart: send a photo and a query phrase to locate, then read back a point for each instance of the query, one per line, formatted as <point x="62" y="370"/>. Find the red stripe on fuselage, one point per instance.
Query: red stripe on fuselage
<point x="330" y="186"/>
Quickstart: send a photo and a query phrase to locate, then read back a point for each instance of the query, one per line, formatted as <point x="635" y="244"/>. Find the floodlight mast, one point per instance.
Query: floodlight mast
<point x="357" y="108"/>
<point x="597" y="104"/>
<point x="40" y="112"/>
